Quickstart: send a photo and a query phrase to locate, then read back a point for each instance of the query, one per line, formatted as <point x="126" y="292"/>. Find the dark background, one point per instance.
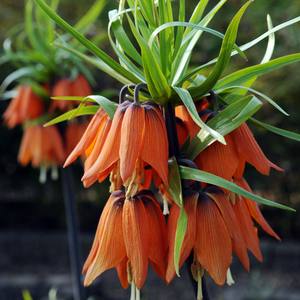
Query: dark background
<point x="33" y="214"/>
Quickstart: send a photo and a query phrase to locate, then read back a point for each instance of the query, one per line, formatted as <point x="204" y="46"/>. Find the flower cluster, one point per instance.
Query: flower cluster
<point x="46" y="147"/>
<point x="132" y="149"/>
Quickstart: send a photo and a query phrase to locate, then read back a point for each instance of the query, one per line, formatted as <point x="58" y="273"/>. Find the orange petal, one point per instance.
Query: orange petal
<point x="181" y="131"/>
<point x="247" y="228"/>
<point x="155" y="148"/>
<point x="157" y="232"/>
<point x="136" y="237"/>
<point x="81" y="87"/>
<point x="133" y="127"/>
<point x="190" y="203"/>
<point x="111" y="249"/>
<point x="25" y="154"/>
<point x="98" y="144"/>
<point x="88" y="136"/>
<point x="122" y="272"/>
<point x="218" y="159"/>
<point x="213" y="243"/>
<point x="61" y="88"/>
<point x="248" y="148"/>
<point x="110" y="151"/>
<point x="238" y="244"/>
<point x="254" y="210"/>
<point x="240" y="169"/>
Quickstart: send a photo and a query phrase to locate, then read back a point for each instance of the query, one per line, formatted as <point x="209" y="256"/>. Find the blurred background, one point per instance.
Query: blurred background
<point x="33" y="231"/>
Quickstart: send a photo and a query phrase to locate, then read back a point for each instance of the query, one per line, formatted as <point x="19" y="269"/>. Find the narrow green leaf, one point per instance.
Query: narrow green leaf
<point x="109" y="106"/>
<point x="26" y="295"/>
<point x="180" y="233"/>
<point x="97" y="63"/>
<point x="224" y="122"/>
<point x="225" y="54"/>
<point x="271" y="42"/>
<point x="15" y="76"/>
<point x="258" y="93"/>
<point x="149" y="11"/>
<point x="246" y="74"/>
<point x="87" y="110"/>
<point x="89" y="45"/>
<point x="193" y="174"/>
<point x="174" y="181"/>
<point x="156" y="81"/>
<point x="279" y="131"/>
<point x="189" y="104"/>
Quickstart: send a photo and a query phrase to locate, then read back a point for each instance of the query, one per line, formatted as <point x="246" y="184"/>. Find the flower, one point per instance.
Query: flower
<point x="130" y="233"/>
<point x="207" y="234"/>
<point x="43" y="146"/>
<point x="79" y="87"/>
<point x="24" y="107"/>
<point x="229" y="160"/>
<point x="137" y="138"/>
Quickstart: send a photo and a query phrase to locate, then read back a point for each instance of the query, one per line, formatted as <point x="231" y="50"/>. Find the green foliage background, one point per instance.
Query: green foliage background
<point x="46" y="208"/>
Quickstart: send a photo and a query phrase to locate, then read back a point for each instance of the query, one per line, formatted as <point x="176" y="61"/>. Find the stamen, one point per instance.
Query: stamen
<point x="229" y="279"/>
<point x="54" y="172"/>
<point x="115" y="179"/>
<point x="132" y="183"/>
<point x="43" y="174"/>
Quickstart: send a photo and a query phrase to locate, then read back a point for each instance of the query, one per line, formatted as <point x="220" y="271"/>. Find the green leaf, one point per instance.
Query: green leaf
<point x="258" y="93"/>
<point x="15" y="76"/>
<point x="225" y="54"/>
<point x="246" y="74"/>
<point x="224" y="122"/>
<point x="271" y="42"/>
<point x="89" y="45"/>
<point x="192" y="174"/>
<point x="26" y="295"/>
<point x="174" y="181"/>
<point x="189" y="104"/>
<point x="87" y="110"/>
<point x="97" y="63"/>
<point x="156" y="81"/>
<point x="279" y="131"/>
<point x="180" y="233"/>
<point x="109" y="106"/>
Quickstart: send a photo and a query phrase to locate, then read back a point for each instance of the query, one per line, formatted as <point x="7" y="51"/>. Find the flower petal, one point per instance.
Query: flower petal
<point x="136" y="238"/>
<point x="133" y="127"/>
<point x="190" y="203"/>
<point x="247" y="227"/>
<point x="254" y="210"/>
<point x="213" y="243"/>
<point x="110" y="248"/>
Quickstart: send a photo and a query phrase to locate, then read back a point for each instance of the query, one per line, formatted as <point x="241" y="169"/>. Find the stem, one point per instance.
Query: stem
<point x="136" y="91"/>
<point x="132" y="293"/>
<point x="215" y="100"/>
<point x="73" y="233"/>
<point x="170" y="121"/>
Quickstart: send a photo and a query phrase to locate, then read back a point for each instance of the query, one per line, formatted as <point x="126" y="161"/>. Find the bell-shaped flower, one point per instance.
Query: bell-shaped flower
<point x="131" y="232"/>
<point x="24" y="107"/>
<point x="229" y="160"/>
<point x="137" y="138"/>
<point x="210" y="233"/>
<point x="79" y="87"/>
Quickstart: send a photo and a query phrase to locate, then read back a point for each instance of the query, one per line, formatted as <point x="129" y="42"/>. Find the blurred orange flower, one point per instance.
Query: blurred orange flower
<point x="24" y="107"/>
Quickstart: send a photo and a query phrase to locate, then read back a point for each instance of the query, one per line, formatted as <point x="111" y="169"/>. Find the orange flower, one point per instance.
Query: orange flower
<point x="43" y="146"/>
<point x="182" y="112"/>
<point x="137" y="138"/>
<point x="24" y="107"/>
<point x="229" y="160"/>
<point x="65" y="87"/>
<point x="209" y="233"/>
<point x="93" y="137"/>
<point x="130" y="233"/>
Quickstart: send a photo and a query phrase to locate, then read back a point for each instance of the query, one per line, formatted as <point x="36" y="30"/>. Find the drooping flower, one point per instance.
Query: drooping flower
<point x="24" y="107"/>
<point x="130" y="233"/>
<point x="137" y="138"/>
<point x="229" y="160"/>
<point x="79" y="87"/>
<point x="43" y="146"/>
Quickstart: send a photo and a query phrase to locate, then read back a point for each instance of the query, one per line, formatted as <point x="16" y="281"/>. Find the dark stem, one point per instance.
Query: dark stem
<point x="73" y="233"/>
<point x="170" y="121"/>
<point x="123" y="92"/>
<point x="136" y="91"/>
<point x="215" y="100"/>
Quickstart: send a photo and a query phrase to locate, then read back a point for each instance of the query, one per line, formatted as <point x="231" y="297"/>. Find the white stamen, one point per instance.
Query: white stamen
<point x="229" y="278"/>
